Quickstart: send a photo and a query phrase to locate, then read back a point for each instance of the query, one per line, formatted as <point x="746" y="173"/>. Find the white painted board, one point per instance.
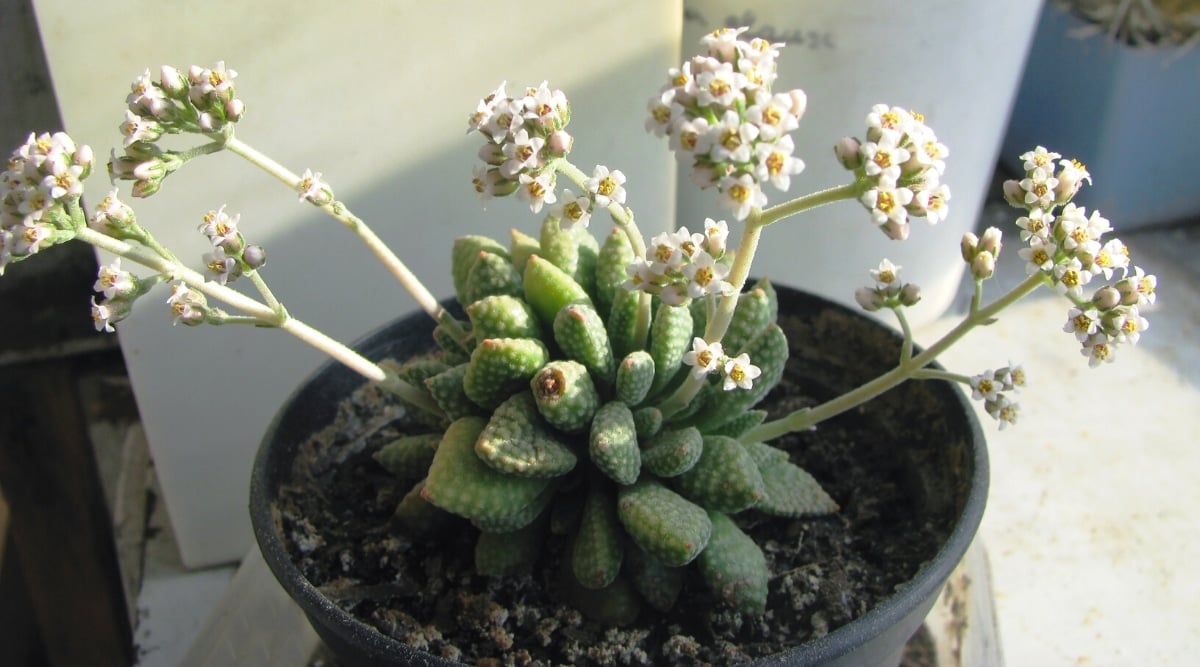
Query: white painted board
<point x="376" y="96"/>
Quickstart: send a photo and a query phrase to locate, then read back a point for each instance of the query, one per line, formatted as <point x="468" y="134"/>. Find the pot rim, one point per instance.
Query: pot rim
<point x="924" y="584"/>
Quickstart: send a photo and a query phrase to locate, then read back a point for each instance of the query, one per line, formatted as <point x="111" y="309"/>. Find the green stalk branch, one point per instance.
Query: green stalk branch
<point x="338" y="211"/>
<point x="807" y="202"/>
<point x="914" y="367"/>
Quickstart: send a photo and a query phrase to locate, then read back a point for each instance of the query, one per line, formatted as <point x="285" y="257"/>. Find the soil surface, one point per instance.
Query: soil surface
<point x="423" y="591"/>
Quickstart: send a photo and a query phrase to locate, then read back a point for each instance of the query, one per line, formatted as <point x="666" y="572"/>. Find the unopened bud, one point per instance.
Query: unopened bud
<point x="234" y="109"/>
<point x="171" y="81"/>
<point x="983" y="266"/>
<point x="1106" y="297"/>
<point x="1128" y="290"/>
<point x="560" y="143"/>
<point x="870" y="299"/>
<point x="492" y="154"/>
<point x="910" y="294"/>
<point x="1013" y="194"/>
<point x="799" y="102"/>
<point x="847" y="152"/>
<point x="990" y="242"/>
<point x="897" y="231"/>
<point x="254" y="256"/>
<point x="969" y="247"/>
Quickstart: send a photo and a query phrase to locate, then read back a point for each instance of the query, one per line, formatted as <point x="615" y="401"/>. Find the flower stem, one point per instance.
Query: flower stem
<point x="914" y="367"/>
<point x="265" y="315"/>
<point x="621" y="215"/>
<point x="809" y="201"/>
<point x="336" y="209"/>
<point x="718" y="323"/>
<point x="267" y="294"/>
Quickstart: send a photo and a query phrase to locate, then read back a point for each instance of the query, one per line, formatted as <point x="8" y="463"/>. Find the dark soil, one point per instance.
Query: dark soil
<point x="825" y="571"/>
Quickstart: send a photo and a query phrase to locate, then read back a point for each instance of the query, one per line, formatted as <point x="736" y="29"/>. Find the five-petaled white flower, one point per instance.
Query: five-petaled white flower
<point x="739" y="372"/>
<point x="704" y="357"/>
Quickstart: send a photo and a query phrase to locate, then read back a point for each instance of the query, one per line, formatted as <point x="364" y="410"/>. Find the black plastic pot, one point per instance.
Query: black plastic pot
<point x="949" y="484"/>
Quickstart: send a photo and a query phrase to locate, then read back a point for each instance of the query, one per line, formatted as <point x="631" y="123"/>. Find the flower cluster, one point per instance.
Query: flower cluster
<point x="989" y="386"/>
<point x="899" y="167"/>
<point x="719" y="113"/>
<point x="231" y="256"/>
<point x="683" y="265"/>
<point x="1067" y="248"/>
<point x="888" y="291"/>
<point x="736" y="372"/>
<point x="524" y="135"/>
<point x="42" y="178"/>
<point x="202" y="102"/>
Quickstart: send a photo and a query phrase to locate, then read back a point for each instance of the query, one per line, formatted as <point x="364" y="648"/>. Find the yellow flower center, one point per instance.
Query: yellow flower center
<point x="775" y="162"/>
<point x="703" y="276"/>
<point x="607" y="186"/>
<point x="731" y="140"/>
<point x="885" y="202"/>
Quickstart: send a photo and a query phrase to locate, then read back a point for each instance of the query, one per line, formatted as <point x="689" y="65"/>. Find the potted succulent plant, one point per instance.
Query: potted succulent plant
<point x="618" y="430"/>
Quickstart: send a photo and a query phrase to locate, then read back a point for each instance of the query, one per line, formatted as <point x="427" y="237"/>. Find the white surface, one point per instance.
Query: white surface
<point x="1090" y="524"/>
<point x="376" y="96"/>
<point x="957" y="62"/>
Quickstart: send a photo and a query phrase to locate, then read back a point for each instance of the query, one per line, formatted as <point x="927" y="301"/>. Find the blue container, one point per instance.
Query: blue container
<point x="1128" y="114"/>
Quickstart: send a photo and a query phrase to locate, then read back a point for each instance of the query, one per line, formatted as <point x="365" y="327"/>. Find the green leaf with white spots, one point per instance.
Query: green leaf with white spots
<point x="750" y="318"/>
<point x="670" y="339"/>
<point x="491" y="275"/>
<point x="503" y="316"/>
<point x="522" y="247"/>
<point x="658" y="584"/>
<point x="463" y="256"/>
<point x="663" y="523"/>
<point x="622" y="323"/>
<point x="735" y="427"/>
<point x="613" y="444"/>
<point x="725" y="478"/>
<point x="672" y="453"/>
<point x="575" y="251"/>
<point x="565" y="395"/>
<point x="460" y="483"/>
<point x="408" y="457"/>
<point x="580" y="334"/>
<point x="789" y="490"/>
<point x="522" y="517"/>
<point x="635" y="374"/>
<point x="517" y="442"/>
<point x="648" y="421"/>
<point x="447" y="391"/>
<point x="615" y="255"/>
<point x="734" y="567"/>
<point x="500" y="367"/>
<point x="548" y="288"/>
<point x="597" y="553"/>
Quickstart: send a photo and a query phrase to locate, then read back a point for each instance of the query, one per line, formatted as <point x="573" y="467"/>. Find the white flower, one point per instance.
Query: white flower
<point x="536" y="190"/>
<point x="102" y="316"/>
<point x="882" y="159"/>
<point x="664" y="253"/>
<point x="139" y="128"/>
<point x="113" y="282"/>
<point x="215" y="83"/>
<point x="774" y="117"/>
<point x="716" y="233"/>
<point x="1039" y="256"/>
<point x="1098" y="349"/>
<point x="314" y="190"/>
<point x="574" y="210"/>
<point x="640" y="276"/>
<point x="706" y="276"/>
<point x="882" y="118"/>
<point x="720" y="87"/>
<point x="607" y="187"/>
<point x="1131" y="326"/>
<point x="187" y="305"/>
<point x="704" y="357"/>
<point x="776" y="163"/>
<point x="694" y="135"/>
<point x="887" y="204"/>
<point x="220" y="227"/>
<point x="1113" y="255"/>
<point x="1039" y="186"/>
<point x="1002" y="410"/>
<point x="1083" y="322"/>
<point x="739" y="372"/>
<point x="1070" y="277"/>
<point x="887" y="274"/>
<point x="522" y="153"/>
<point x="220" y="267"/>
<point x="741" y="194"/>
<point x="144" y="94"/>
<point x="734" y="139"/>
<point x="984" y="386"/>
<point x="1038" y="158"/>
<point x="1037" y="225"/>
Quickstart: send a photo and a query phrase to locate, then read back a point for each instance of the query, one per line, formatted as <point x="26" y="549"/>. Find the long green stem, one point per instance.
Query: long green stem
<point x="807" y="202"/>
<point x="263" y="313"/>
<point x="809" y="417"/>
<point x="337" y="210"/>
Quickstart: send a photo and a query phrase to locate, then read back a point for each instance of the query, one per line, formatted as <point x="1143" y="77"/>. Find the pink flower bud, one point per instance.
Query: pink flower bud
<point x="171" y="81"/>
<point x="1106" y="297"/>
<point x="847" y="152"/>
<point x="560" y="143"/>
<point x="910" y="294"/>
<point x="799" y="102"/>
<point x="897" y="231"/>
<point x="234" y="109"/>
<point x="254" y="256"/>
<point x="870" y="300"/>
<point x="969" y="247"/>
<point x="1013" y="194"/>
<point x="983" y="266"/>
<point x="990" y="242"/>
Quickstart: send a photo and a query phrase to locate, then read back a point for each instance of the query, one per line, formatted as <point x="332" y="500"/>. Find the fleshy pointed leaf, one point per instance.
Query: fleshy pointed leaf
<point x="516" y="442"/>
<point x="788" y="489"/>
<point x="548" y="288"/>
<point x="734" y="567"/>
<point x="613" y="444"/>
<point x="663" y="523"/>
<point x="500" y="367"/>
<point x="725" y="478"/>
<point x="672" y="453"/>
<point x="580" y="333"/>
<point x="565" y="395"/>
